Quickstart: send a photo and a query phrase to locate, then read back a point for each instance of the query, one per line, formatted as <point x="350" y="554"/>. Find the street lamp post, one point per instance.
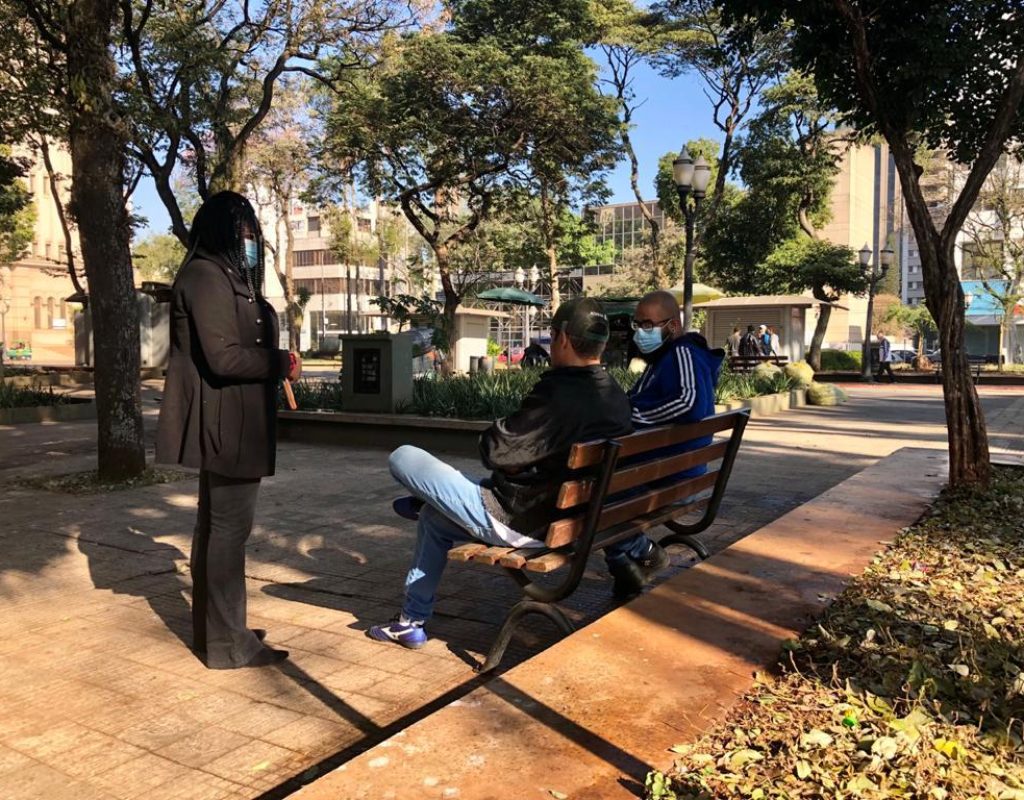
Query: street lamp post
<point x="875" y="273"/>
<point x="691" y="179"/>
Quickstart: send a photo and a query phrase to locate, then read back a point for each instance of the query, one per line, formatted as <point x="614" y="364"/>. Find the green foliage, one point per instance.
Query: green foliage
<point x="17" y="216"/>
<point x="451" y="122"/>
<point x="800" y="373"/>
<point x="403" y="307"/>
<point x="914" y="318"/>
<point x="828" y="270"/>
<point x="909" y="686"/>
<point x="493" y="348"/>
<point x="18" y="397"/>
<point x="746" y="385"/>
<point x="315" y="395"/>
<point x="766" y="371"/>
<point x="940" y="69"/>
<point x="478" y="396"/>
<point x="840" y="360"/>
<point x="158" y="257"/>
<point x="825" y="394"/>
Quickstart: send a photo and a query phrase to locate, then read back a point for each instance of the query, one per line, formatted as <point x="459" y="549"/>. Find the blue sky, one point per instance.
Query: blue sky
<point x="675" y="111"/>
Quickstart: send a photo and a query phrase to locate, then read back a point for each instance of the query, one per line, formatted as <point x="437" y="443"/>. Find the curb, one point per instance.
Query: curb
<point x="72" y="412"/>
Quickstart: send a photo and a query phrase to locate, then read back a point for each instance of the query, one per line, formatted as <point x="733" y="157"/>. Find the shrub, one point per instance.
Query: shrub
<point x="766" y="371"/>
<point x="17" y="397"/>
<point x="316" y="395"/>
<point x="840" y="361"/>
<point x="825" y="394"/>
<point x="800" y="373"/>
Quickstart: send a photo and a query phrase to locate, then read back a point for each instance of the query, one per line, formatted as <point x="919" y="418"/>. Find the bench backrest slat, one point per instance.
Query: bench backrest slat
<point x="575" y="493"/>
<point x="566" y="531"/>
<point x="589" y="454"/>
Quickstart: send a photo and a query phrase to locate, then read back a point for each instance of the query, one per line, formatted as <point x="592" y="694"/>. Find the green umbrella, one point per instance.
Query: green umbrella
<point x="512" y="296"/>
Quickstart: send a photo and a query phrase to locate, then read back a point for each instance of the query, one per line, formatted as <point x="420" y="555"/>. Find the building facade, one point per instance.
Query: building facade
<point x="34" y="310"/>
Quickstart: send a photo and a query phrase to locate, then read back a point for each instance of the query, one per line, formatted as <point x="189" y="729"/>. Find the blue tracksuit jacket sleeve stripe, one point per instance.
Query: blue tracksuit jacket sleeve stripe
<point x="666" y="390"/>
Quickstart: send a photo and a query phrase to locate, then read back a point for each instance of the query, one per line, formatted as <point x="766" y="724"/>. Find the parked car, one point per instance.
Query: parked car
<point x="902" y="355"/>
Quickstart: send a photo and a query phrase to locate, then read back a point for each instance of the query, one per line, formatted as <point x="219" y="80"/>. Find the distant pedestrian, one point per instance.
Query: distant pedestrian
<point x="733" y="342"/>
<point x="750" y="344"/>
<point x="774" y="345"/>
<point x="885" y="359"/>
<point x="219" y="414"/>
<point x="535" y="355"/>
<point x="765" y="340"/>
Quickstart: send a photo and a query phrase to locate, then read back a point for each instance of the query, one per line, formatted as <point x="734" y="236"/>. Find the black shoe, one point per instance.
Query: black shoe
<point x="630" y="576"/>
<point x="408" y="507"/>
<point x="629" y="579"/>
<point x="265" y="657"/>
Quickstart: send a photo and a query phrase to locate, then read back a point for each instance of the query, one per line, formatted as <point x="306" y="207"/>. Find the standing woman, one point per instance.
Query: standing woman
<point x="219" y="414"/>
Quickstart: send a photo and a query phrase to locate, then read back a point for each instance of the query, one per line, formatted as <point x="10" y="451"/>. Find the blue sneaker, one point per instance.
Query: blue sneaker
<point x="408" y="507"/>
<point x="406" y="633"/>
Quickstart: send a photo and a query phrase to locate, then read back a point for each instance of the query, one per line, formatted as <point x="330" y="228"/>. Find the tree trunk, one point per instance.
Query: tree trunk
<point x="97" y="155"/>
<point x="556" y="294"/>
<point x="814" y="353"/>
<point x="451" y="305"/>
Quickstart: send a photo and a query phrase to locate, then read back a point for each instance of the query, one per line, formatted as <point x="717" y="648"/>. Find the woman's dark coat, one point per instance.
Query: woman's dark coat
<point x="220" y="396"/>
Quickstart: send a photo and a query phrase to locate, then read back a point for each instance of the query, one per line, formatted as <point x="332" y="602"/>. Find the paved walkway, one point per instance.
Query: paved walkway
<point x="102" y="699"/>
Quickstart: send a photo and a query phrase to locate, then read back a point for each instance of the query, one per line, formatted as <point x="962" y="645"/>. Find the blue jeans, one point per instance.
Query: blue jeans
<point x="454" y="514"/>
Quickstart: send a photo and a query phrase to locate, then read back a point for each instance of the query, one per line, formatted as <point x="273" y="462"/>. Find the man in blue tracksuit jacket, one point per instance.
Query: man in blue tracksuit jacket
<point x="678" y="385"/>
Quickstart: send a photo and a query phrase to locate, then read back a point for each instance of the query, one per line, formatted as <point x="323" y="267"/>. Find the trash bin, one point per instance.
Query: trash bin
<point x="474" y="364"/>
<point x="486" y="364"/>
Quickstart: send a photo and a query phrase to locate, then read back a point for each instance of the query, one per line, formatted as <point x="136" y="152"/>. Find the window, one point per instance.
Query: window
<point x="313" y="224"/>
<point x="312" y="258"/>
<point x="49" y="312"/>
<point x="37" y="312"/>
<point x="364" y="225"/>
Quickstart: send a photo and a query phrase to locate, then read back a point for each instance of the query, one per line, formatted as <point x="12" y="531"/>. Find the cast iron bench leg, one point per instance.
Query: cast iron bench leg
<point x="520" y="610"/>
<point x="680" y="537"/>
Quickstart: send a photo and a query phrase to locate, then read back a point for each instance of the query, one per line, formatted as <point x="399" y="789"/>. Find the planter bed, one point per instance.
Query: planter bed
<point x="460" y="436"/>
<point x="381" y="431"/>
<point x="72" y="410"/>
<point x="768" y="404"/>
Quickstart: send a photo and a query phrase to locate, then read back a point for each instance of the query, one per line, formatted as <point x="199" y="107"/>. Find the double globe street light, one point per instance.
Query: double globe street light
<point x="691" y="179"/>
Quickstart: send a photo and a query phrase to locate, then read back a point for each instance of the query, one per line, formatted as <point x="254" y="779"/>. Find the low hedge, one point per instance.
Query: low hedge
<point x="840" y="360"/>
<point x="20" y="397"/>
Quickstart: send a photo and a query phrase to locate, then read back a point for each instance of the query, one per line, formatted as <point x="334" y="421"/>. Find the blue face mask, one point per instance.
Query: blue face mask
<point x="252" y="253"/>
<point x="648" y="341"/>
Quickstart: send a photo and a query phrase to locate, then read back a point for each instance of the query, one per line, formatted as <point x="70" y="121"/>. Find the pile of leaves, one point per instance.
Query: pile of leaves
<point x="91" y="483"/>
<point x="911" y="686"/>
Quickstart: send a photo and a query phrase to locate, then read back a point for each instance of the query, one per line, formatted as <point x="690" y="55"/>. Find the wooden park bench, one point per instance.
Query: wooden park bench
<point x="747" y="363"/>
<point x="975" y="363"/>
<point x="622" y="492"/>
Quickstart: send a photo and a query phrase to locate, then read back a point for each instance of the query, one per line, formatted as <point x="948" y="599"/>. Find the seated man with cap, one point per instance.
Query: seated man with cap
<point x="574" y="401"/>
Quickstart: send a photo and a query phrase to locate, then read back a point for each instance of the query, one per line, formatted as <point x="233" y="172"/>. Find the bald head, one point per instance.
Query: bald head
<point x="660" y="309"/>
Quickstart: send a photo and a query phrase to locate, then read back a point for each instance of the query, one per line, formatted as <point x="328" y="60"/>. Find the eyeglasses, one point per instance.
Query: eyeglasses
<point x="647" y="324"/>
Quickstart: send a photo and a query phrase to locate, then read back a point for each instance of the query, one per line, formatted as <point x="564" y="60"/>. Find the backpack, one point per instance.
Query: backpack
<point x="749" y="345"/>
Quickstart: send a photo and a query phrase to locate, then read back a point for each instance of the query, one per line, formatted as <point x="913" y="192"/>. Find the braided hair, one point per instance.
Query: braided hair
<point x="218" y="228"/>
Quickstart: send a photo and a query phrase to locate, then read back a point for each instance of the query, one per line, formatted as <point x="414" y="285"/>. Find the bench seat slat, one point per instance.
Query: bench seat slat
<point x="566" y="531"/>
<point x="465" y="552"/>
<point x="589" y="454"/>
<point x="489" y="555"/>
<point x="574" y="493"/>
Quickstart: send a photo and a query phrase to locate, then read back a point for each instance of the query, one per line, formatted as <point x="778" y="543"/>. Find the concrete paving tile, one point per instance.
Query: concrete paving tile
<point x="11" y="760"/>
<point x="259" y="718"/>
<point x="157" y="732"/>
<point x="40" y="782"/>
<point x="256" y="764"/>
<point x="139" y="777"/>
<point x="313" y="736"/>
<point x="200" y="748"/>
